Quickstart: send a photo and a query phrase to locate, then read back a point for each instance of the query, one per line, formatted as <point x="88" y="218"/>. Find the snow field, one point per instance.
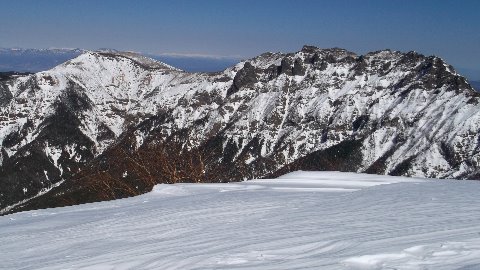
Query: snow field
<point x="303" y="220"/>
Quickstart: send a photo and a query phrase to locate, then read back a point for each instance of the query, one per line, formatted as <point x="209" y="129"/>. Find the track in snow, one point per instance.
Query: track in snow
<point x="314" y="220"/>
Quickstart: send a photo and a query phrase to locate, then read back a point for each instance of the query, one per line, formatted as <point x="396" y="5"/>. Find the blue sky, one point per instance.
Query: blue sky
<point x="450" y="29"/>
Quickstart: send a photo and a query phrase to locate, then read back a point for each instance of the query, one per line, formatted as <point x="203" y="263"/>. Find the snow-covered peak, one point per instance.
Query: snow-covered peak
<point x="110" y="58"/>
<point x="384" y="112"/>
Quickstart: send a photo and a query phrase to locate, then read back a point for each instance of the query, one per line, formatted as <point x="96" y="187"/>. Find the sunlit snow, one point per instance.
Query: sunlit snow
<point x="303" y="220"/>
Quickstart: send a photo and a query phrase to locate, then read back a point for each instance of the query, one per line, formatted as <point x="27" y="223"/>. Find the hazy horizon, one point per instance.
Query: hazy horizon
<point x="187" y="62"/>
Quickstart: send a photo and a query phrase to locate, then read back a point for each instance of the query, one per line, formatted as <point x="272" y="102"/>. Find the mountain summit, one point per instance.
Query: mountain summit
<point x="107" y="125"/>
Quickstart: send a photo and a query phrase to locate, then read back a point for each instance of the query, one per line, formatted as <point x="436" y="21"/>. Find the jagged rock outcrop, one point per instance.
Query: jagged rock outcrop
<point x="110" y="125"/>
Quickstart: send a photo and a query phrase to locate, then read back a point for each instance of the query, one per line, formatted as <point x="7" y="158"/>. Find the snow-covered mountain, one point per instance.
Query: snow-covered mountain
<point x="36" y="60"/>
<point x="107" y="125"/>
<point x="303" y="220"/>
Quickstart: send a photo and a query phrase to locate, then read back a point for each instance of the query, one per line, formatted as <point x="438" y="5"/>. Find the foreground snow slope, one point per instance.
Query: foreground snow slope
<point x="325" y="220"/>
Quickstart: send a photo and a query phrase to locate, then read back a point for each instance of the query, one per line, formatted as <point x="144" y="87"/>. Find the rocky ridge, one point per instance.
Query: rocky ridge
<point x="107" y="125"/>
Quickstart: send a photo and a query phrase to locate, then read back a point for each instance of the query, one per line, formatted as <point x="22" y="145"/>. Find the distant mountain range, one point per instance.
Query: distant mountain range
<point x="192" y="63"/>
<point x="110" y="124"/>
<point x="35" y="60"/>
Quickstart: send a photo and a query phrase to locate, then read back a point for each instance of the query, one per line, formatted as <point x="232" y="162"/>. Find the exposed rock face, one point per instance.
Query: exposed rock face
<point x="245" y="77"/>
<point x="110" y="125"/>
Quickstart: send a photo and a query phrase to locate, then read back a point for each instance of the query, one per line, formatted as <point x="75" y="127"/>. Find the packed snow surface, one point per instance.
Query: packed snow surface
<point x="303" y="220"/>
